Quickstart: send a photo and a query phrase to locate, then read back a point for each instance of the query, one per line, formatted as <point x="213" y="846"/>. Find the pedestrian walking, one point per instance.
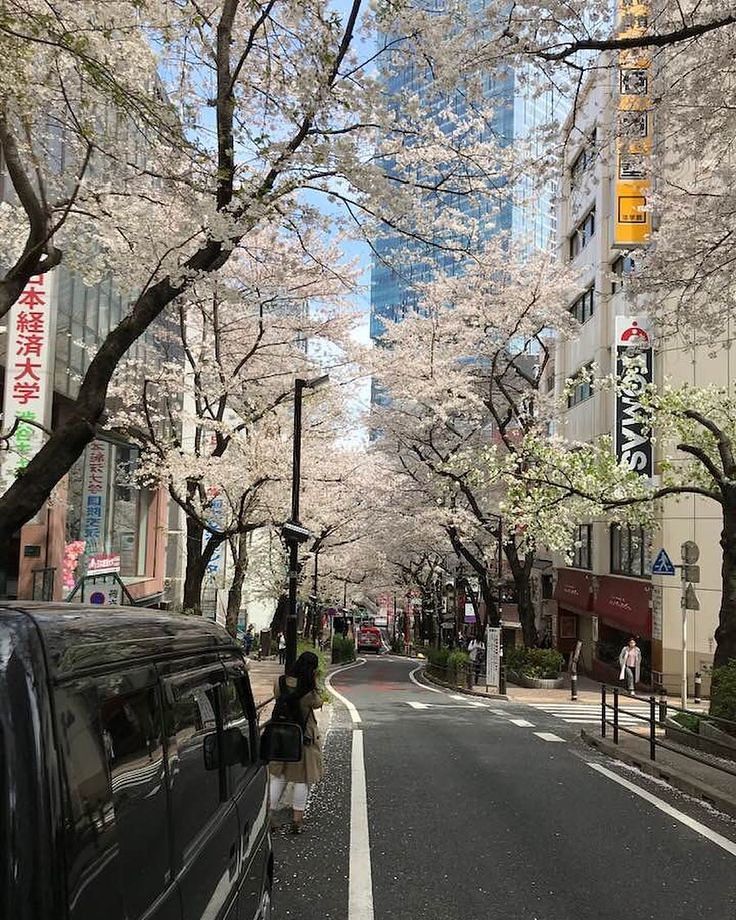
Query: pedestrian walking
<point x="300" y="683"/>
<point x="630" y="661"/>
<point x="282" y="648"/>
<point x="477" y="654"/>
<point x="248" y="641"/>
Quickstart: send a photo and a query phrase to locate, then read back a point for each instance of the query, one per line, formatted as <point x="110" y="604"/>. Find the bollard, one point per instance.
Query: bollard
<point x="652" y="730"/>
<point x="662" y="705"/>
<point x="502" y="679"/>
<point x="603" y="711"/>
<point x="698" y="686"/>
<point x="573" y="686"/>
<point x="615" y="714"/>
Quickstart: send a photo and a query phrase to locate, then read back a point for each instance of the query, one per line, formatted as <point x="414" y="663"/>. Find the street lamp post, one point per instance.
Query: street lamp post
<point x="294" y="533"/>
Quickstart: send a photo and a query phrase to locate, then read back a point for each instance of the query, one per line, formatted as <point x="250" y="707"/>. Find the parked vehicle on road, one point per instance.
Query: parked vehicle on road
<point x="132" y="775"/>
<point x="369" y="639"/>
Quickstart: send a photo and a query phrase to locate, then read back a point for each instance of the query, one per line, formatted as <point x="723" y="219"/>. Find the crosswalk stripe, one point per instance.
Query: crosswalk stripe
<point x="522" y="723"/>
<point x="549" y="736"/>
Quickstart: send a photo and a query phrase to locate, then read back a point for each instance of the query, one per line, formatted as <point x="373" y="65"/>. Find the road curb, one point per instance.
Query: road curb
<point x="675" y="777"/>
<point x="471" y="693"/>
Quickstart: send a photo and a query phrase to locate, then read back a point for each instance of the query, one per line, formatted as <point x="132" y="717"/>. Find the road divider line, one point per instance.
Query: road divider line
<point x="522" y="723"/>
<point x="424" y="686"/>
<point x="360" y="885"/>
<point x="723" y="842"/>
<point x="548" y="736"/>
<point x="354" y="714"/>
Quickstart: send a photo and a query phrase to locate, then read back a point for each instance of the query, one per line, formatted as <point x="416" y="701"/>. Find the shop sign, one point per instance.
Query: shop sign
<point x="95" y="491"/>
<point x="215" y="565"/>
<point x="28" y="374"/>
<point x="103" y="564"/>
<point x="657" y="613"/>
<point x="632" y="222"/>
<point x="634" y="369"/>
<point x="493" y="656"/>
<point x="573" y="590"/>
<point x="624" y="603"/>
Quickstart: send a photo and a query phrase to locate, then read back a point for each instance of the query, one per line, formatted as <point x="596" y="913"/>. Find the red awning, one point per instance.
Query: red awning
<point x="624" y="604"/>
<point x="574" y="590"/>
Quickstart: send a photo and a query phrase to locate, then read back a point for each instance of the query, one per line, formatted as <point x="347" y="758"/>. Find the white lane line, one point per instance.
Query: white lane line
<point x="498" y="712"/>
<point x="424" y="686"/>
<point x="548" y="736"/>
<point x="360" y="886"/>
<point x="723" y="842"/>
<point x="354" y="714"/>
<point x="418" y="705"/>
<point x="456" y="696"/>
<point x="522" y="723"/>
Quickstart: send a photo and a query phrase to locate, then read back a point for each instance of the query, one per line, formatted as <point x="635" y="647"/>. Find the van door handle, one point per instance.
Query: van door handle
<point x="233" y="862"/>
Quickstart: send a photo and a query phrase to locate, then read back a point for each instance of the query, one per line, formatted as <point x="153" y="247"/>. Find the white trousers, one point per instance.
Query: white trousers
<point x="299" y="797"/>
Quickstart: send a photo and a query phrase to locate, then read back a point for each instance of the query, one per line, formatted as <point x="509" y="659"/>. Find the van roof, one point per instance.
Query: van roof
<point x="78" y="637"/>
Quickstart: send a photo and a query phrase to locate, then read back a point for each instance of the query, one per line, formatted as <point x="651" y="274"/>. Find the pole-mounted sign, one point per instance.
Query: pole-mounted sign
<point x="634" y="371"/>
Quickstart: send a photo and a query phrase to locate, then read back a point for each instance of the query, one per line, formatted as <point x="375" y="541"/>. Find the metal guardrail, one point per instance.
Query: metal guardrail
<point x="658" y="714"/>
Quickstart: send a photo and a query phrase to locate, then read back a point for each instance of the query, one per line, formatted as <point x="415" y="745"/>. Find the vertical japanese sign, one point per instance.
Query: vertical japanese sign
<point x="493" y="656"/>
<point x="29" y="374"/>
<point x="95" y="493"/>
<point x="634" y="370"/>
<point x="631" y="219"/>
<point x="215" y="565"/>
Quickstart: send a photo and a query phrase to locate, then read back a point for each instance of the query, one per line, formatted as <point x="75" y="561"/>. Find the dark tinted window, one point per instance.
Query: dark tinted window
<point x="195" y="788"/>
<point x="235" y="716"/>
<point x="131" y="731"/>
<point x="90" y="839"/>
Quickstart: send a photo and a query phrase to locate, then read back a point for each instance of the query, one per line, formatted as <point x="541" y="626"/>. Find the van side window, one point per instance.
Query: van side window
<point x="235" y="716"/>
<point x="193" y="731"/>
<point x="132" y="736"/>
<point x="90" y="840"/>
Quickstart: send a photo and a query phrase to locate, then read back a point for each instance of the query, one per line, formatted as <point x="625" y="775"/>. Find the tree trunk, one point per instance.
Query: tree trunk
<point x="239" y="548"/>
<point x="195" y="568"/>
<point x="725" y="634"/>
<point x="522" y="573"/>
<point x="490" y="602"/>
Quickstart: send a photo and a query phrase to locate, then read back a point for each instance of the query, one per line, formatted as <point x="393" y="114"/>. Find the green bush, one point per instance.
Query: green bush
<point x="437" y="657"/>
<point x="687" y="721"/>
<point x="397" y="645"/>
<point x="458" y="660"/>
<point x="541" y="663"/>
<point x="723" y="694"/>
<point x="343" y="649"/>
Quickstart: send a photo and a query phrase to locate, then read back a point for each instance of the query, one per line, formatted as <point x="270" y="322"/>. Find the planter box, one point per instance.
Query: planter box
<point x="710" y="741"/>
<point x="539" y="683"/>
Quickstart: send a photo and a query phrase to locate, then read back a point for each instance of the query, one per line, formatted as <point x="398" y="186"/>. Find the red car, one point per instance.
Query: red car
<point x="369" y="639"/>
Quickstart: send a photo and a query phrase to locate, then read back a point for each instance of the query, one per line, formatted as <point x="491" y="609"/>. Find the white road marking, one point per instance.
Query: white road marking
<point x="498" y="712"/>
<point x="424" y="686"/>
<point x="417" y="705"/>
<point x="723" y="842"/>
<point x="549" y="736"/>
<point x="360" y="886"/>
<point x="354" y="714"/>
<point x="522" y="723"/>
<point x="457" y="697"/>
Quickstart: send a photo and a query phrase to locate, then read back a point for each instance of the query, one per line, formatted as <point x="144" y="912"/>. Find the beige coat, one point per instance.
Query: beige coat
<point x="309" y="768"/>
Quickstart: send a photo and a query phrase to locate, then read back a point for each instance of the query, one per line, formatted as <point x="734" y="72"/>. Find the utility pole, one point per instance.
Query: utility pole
<point x="293" y="532"/>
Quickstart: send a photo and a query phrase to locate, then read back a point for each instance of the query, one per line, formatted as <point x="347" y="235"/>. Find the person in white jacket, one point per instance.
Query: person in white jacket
<point x="630" y="661"/>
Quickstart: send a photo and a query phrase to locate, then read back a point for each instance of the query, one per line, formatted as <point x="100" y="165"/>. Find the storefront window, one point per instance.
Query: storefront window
<point x="629" y="551"/>
<point x="107" y="511"/>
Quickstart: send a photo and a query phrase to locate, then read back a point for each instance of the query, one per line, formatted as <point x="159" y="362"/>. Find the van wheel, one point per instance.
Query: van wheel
<point x="265" y="910"/>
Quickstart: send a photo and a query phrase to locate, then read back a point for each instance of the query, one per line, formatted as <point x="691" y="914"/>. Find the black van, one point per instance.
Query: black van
<point x="132" y="776"/>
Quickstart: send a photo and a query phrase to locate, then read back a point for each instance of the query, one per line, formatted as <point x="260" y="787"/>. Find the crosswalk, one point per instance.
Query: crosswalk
<point x="590" y="713"/>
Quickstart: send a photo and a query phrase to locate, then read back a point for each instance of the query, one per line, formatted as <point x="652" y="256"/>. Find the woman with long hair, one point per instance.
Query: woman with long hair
<point x="300" y="680"/>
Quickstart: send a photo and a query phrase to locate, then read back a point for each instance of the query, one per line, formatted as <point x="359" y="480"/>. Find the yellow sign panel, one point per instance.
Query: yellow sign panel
<point x="631" y="218"/>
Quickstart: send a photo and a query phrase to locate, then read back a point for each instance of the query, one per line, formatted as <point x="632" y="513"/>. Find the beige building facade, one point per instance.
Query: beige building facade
<point x="609" y="592"/>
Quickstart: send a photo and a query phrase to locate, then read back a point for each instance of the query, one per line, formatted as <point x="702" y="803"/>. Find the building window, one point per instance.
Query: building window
<point x="621" y="267"/>
<point x="583" y="161"/>
<point x="580" y="386"/>
<point x="582" y="234"/>
<point x="629" y="550"/>
<point x="583" y="547"/>
<point x="584" y="307"/>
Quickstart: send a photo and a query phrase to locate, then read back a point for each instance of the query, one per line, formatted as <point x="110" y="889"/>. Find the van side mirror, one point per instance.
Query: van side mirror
<point x="211" y="752"/>
<point x="281" y="742"/>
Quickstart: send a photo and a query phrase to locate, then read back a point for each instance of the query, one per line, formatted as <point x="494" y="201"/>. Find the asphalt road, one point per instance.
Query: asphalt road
<point x="472" y="816"/>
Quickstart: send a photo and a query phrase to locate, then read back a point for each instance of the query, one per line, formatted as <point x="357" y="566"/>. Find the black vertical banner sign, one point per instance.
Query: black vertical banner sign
<point x="634" y="366"/>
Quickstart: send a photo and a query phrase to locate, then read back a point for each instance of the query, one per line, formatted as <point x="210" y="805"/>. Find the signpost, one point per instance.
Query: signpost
<point x="493" y="657"/>
<point x="690" y="553"/>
